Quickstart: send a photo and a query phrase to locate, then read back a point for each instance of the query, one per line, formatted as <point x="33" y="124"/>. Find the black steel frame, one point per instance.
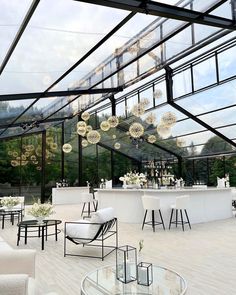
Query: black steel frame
<point x="104" y="232"/>
<point x="168" y="11"/>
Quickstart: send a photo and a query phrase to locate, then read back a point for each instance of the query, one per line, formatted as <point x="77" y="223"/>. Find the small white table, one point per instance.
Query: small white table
<point x="103" y="281"/>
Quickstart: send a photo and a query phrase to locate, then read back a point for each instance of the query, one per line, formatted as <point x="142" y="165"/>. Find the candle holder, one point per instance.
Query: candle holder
<point x="126" y="264"/>
<point x="145" y="273"/>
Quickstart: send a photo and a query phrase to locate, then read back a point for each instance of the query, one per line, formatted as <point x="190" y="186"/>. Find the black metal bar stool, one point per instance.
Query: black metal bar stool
<point x="153" y="204"/>
<point x="181" y="205"/>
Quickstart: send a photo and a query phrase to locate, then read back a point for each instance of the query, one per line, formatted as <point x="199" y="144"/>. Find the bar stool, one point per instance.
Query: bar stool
<point x="182" y="203"/>
<point x="88" y="200"/>
<point x="153" y="204"/>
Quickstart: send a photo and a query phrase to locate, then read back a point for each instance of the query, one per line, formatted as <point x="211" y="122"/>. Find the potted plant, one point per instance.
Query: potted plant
<point x="10" y="202"/>
<point x="41" y="211"/>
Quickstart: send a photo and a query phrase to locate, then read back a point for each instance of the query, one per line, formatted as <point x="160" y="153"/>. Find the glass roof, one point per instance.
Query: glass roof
<point x="79" y="46"/>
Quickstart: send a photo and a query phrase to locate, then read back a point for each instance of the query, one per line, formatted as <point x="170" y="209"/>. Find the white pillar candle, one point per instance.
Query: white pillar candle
<point x="142" y="275"/>
<point x="128" y="270"/>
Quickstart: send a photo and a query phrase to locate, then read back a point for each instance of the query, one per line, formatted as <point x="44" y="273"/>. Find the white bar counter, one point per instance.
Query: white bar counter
<point x="68" y="195"/>
<point x="206" y="204"/>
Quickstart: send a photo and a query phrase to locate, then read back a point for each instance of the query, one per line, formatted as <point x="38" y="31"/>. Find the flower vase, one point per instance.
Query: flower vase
<point x="40" y="219"/>
<point x="9" y="208"/>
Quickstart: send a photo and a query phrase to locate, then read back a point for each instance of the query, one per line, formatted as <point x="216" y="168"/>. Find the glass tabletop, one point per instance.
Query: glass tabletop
<point x="10" y="211"/>
<point x="32" y="223"/>
<point x="103" y="281"/>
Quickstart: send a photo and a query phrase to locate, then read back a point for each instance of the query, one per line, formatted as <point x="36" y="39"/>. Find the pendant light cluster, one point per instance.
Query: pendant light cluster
<point x="32" y="154"/>
<point x="136" y="129"/>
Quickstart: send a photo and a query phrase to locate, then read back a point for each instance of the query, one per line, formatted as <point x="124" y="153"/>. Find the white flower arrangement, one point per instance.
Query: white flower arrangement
<point x="10" y="201"/>
<point x="41" y="210"/>
<point x="134" y="178"/>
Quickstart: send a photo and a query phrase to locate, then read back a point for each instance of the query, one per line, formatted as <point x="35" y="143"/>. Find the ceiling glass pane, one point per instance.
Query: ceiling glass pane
<point x="210" y="99"/>
<point x="53" y="41"/>
<point x="11" y="16"/>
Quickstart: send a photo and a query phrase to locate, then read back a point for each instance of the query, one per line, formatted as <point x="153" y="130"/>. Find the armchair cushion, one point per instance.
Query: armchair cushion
<point x="14" y="284"/>
<point x="85" y="230"/>
<point x="18" y="262"/>
<point x="79" y="229"/>
<point x="103" y="215"/>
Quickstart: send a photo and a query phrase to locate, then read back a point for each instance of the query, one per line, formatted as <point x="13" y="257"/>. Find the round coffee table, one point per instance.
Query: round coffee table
<point x="11" y="213"/>
<point x="27" y="227"/>
<point x="103" y="281"/>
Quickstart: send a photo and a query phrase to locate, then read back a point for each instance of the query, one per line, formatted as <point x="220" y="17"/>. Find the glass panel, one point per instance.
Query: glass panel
<point x="220" y="118"/>
<point x="10" y="171"/>
<point x="11" y="15"/>
<point x="104" y="164"/>
<point x="65" y="40"/>
<point x="216" y="98"/>
<point x="226" y="62"/>
<point x="53" y="159"/>
<point x="182" y="83"/>
<point x="204" y="73"/>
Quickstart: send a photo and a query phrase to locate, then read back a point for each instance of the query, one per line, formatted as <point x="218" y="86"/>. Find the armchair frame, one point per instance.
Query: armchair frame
<point x="104" y="232"/>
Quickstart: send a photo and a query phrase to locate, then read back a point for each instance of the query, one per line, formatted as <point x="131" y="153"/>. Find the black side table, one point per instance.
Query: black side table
<point x="27" y="227"/>
<point x="11" y="213"/>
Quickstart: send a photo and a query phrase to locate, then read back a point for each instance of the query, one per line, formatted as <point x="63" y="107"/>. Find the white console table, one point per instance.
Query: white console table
<point x="68" y="195"/>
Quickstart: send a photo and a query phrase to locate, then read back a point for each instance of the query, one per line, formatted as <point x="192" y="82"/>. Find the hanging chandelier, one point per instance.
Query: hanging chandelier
<point x="67" y="148"/>
<point x="93" y="137"/>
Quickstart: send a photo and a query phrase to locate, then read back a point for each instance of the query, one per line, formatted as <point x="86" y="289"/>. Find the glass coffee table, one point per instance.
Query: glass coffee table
<point x="11" y="213"/>
<point x="103" y="281"/>
<point x="29" y="228"/>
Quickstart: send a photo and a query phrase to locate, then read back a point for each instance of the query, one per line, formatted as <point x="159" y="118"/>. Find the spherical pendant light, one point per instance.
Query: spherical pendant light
<point x="151" y="119"/>
<point x="53" y="146"/>
<point x="81" y="128"/>
<point x="81" y="124"/>
<point x="180" y="142"/>
<point x="117" y="145"/>
<point x="158" y="94"/>
<point x="138" y="110"/>
<point x="163" y="131"/>
<point x="113" y="121"/>
<point x="33" y="158"/>
<point x="145" y="102"/>
<point x="38" y="151"/>
<point x="15" y="154"/>
<point x="31" y="147"/>
<point x="89" y="128"/>
<point x="49" y="140"/>
<point x="136" y="130"/>
<point x="105" y="125"/>
<point x="84" y="143"/>
<point x="14" y="163"/>
<point x="67" y="148"/>
<point x="85" y="116"/>
<point x="27" y="154"/>
<point x="93" y="136"/>
<point x="168" y="119"/>
<point x="151" y="138"/>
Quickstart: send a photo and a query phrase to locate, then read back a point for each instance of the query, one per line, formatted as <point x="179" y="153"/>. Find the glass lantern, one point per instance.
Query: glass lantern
<point x="126" y="264"/>
<point x="145" y="274"/>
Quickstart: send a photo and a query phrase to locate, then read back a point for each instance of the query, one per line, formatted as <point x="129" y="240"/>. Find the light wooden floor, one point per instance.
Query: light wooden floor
<point x="204" y="256"/>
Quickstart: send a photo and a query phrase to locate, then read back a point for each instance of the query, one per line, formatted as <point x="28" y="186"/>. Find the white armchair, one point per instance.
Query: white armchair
<point x="17" y="272"/>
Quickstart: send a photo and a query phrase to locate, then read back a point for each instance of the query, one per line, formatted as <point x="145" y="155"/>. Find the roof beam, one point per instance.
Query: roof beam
<point x="168" y="11"/>
<point x="34" y="95"/>
<point x="19" y="34"/>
